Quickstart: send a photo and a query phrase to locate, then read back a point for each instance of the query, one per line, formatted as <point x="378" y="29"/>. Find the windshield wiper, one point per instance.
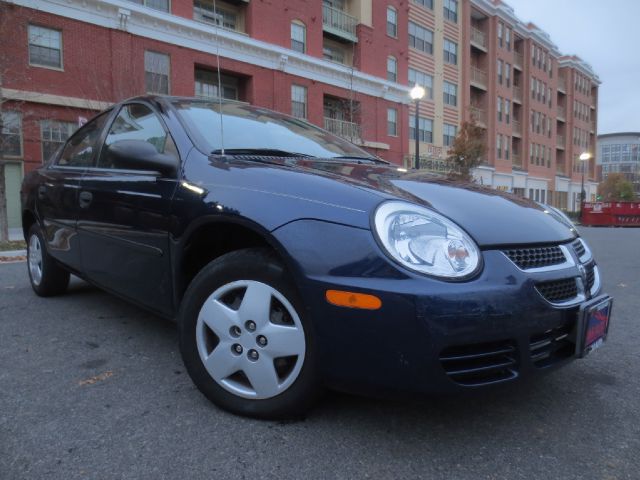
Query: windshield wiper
<point x="366" y="159"/>
<point x="266" y="152"/>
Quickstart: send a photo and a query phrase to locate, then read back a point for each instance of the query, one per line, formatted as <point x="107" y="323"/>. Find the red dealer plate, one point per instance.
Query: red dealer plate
<point x="595" y="323"/>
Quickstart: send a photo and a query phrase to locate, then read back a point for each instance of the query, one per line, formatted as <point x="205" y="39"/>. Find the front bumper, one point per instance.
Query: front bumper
<point x="429" y="335"/>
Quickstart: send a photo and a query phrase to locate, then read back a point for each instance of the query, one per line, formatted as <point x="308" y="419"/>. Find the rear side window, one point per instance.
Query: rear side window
<point x="138" y="122"/>
<point x="81" y="148"/>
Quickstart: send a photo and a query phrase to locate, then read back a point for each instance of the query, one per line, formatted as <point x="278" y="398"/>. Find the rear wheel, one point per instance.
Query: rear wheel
<point x="245" y="338"/>
<point x="46" y="276"/>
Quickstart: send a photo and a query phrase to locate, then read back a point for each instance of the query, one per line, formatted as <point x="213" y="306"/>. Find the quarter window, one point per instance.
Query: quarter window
<point x="45" y="47"/>
<point x="299" y="101"/>
<point x="10" y="134"/>
<point x="156" y="72"/>
<point x="53" y="134"/>
<point x="81" y="147"/>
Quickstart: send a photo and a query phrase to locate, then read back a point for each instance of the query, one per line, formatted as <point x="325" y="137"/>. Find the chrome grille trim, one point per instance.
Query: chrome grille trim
<point x="568" y="262"/>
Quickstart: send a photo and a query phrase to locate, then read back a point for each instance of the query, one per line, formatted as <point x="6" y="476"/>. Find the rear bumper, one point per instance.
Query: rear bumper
<point x="429" y="336"/>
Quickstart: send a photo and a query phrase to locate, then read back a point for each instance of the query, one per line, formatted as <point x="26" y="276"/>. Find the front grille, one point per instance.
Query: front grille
<point x="558" y="290"/>
<point x="553" y="345"/>
<point x="578" y="247"/>
<point x="591" y="276"/>
<point x="526" y="258"/>
<point x="480" y="364"/>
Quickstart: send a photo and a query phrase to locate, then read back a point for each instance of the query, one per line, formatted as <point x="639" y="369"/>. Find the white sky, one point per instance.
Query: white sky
<point x="606" y="34"/>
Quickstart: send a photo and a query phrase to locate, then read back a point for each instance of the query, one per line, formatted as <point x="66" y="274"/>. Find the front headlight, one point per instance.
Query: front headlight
<point x="425" y="241"/>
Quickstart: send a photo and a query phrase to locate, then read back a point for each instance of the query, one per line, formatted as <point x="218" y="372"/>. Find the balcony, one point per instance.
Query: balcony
<point x="478" y="39"/>
<point x="561" y="113"/>
<point x="516" y="160"/>
<point x="349" y="130"/>
<point x="518" y="60"/>
<point x="562" y="85"/>
<point x="478" y="78"/>
<point x="517" y="94"/>
<point x="560" y="143"/>
<point x="339" y="23"/>
<point x="517" y="128"/>
<point x="479" y="115"/>
<point x="561" y="169"/>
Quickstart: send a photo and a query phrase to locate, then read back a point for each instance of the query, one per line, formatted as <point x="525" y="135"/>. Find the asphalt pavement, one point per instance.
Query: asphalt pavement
<point x="94" y="388"/>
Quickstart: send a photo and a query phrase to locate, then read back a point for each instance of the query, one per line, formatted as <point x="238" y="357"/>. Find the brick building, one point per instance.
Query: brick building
<point x="345" y="65"/>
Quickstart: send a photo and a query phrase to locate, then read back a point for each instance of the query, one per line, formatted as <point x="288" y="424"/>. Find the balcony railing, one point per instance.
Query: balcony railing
<point x="479" y="114"/>
<point x="478" y="37"/>
<point x="518" y="59"/>
<point x="561" y="112"/>
<point x="517" y="127"/>
<point x="517" y="93"/>
<point x="349" y="130"/>
<point x="339" y="23"/>
<point x="479" y="76"/>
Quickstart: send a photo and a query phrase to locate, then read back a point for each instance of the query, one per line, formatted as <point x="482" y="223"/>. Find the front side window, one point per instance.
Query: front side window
<point x="450" y="52"/>
<point x="53" y="134"/>
<point x="156" y="72"/>
<point x="392" y="22"/>
<point x="10" y="134"/>
<point x="299" y="101"/>
<point x="137" y="122"/>
<point x="451" y="10"/>
<point x="450" y="94"/>
<point x="392" y="69"/>
<point x="298" y="36"/>
<point x="45" y="47"/>
<point x="80" y="149"/>
<point x="420" y="38"/>
<point x="392" y="122"/>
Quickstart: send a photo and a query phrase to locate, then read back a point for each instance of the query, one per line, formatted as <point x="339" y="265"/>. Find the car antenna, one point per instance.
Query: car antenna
<point x="216" y="27"/>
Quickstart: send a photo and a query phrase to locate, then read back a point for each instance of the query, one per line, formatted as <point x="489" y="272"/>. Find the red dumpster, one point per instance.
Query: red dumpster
<point x="618" y="214"/>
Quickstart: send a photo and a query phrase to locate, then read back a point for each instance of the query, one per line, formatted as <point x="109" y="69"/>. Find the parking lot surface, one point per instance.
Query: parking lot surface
<point x="92" y="387"/>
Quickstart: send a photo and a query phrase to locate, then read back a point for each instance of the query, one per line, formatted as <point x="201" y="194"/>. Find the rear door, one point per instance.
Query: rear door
<point x="124" y="215"/>
<point x="57" y="198"/>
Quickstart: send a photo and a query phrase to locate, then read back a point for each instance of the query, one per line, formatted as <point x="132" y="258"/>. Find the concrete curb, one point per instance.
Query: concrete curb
<point x="13" y="253"/>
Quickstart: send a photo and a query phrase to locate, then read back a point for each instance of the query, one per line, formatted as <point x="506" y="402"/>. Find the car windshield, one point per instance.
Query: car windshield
<point x="247" y="128"/>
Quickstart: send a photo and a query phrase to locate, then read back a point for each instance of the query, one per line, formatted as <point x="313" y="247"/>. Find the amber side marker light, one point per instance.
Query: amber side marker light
<point x="353" y="300"/>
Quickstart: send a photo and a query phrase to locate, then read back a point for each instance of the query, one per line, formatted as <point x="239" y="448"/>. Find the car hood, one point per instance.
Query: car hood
<point x="490" y="216"/>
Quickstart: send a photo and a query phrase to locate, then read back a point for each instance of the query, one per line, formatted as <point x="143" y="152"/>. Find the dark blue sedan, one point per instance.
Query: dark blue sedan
<point x="293" y="260"/>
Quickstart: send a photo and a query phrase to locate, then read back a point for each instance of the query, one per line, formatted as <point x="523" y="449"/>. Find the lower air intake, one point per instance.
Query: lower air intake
<point x="553" y="345"/>
<point x="480" y="364"/>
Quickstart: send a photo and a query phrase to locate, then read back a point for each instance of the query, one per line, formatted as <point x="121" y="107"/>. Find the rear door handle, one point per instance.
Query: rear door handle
<point x="85" y="199"/>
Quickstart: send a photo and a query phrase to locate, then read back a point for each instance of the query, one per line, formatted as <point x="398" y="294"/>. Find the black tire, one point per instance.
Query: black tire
<point x="257" y="265"/>
<point x="54" y="279"/>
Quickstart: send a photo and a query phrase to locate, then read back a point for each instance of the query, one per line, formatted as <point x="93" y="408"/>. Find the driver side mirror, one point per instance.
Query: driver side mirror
<point x="140" y="155"/>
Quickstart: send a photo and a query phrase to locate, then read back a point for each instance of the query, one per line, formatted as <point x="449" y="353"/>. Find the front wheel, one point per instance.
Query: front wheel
<point x="46" y="276"/>
<point x="245" y="338"/>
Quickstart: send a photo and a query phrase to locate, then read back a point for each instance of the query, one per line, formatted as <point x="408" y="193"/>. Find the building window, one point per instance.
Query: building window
<point x="53" y="134"/>
<point x="507" y="141"/>
<point x="45" y="47"/>
<point x="203" y="10"/>
<point x="499" y="108"/>
<point x="451" y="10"/>
<point x="420" y="38"/>
<point x="298" y="36"/>
<point x="11" y="133"/>
<point x="156" y="72"/>
<point x="450" y="94"/>
<point x="416" y="77"/>
<point x="333" y="53"/>
<point x="162" y="5"/>
<point x="425" y="3"/>
<point x="425" y="129"/>
<point x="507" y="74"/>
<point x="299" y="101"/>
<point x="392" y="69"/>
<point x="450" y="52"/>
<point x="499" y="64"/>
<point x="507" y="110"/>
<point x="206" y="85"/>
<point x="507" y="38"/>
<point x="500" y="27"/>
<point x="499" y="146"/>
<point x="392" y="22"/>
<point x="449" y="134"/>
<point x="392" y="122"/>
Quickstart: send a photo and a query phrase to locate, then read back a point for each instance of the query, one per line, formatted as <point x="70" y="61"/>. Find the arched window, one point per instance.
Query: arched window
<point x="298" y="36"/>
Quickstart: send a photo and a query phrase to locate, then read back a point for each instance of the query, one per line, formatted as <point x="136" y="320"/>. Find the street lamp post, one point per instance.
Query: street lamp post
<point x="416" y="94"/>
<point x="584" y="156"/>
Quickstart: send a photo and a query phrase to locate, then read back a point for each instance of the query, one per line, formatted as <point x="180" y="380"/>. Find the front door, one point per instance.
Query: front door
<point x="124" y="216"/>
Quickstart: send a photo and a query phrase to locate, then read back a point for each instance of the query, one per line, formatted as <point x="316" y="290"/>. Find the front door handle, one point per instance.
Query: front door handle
<point x="85" y="199"/>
